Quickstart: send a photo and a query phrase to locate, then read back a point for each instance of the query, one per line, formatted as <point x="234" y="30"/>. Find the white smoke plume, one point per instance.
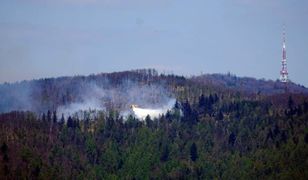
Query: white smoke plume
<point x="90" y="107"/>
<point x="155" y="99"/>
<point x="85" y="97"/>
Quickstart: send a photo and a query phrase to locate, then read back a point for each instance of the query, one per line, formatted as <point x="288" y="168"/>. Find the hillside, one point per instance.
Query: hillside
<point x="48" y="94"/>
<point x="220" y="127"/>
<point x="250" y="85"/>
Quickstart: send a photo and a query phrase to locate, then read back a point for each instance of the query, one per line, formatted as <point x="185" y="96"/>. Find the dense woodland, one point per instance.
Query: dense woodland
<point x="219" y="128"/>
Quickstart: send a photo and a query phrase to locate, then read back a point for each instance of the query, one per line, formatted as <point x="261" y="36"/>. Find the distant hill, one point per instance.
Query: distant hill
<point x="217" y="127"/>
<point x="50" y="93"/>
<point x="249" y="84"/>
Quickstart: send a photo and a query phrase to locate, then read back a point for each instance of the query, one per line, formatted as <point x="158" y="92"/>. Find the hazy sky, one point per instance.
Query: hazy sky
<point x="46" y="38"/>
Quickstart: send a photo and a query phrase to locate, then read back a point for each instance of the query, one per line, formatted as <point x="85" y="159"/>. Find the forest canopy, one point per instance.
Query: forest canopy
<point x="219" y="127"/>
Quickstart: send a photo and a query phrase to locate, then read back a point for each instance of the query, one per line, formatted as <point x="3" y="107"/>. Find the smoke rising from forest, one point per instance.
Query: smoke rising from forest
<point x="72" y="97"/>
<point x="96" y="98"/>
<point x="16" y="97"/>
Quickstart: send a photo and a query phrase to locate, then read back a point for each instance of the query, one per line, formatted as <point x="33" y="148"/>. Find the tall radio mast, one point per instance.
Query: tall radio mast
<point x="284" y="70"/>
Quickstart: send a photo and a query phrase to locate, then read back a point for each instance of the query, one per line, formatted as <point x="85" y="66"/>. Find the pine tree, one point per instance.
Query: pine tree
<point x="193" y="152"/>
<point x="165" y="154"/>
<point x="4" y="148"/>
<point x="54" y="117"/>
<point x="48" y="116"/>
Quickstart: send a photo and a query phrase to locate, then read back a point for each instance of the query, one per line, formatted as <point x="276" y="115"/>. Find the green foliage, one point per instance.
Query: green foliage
<point x="193" y="152"/>
<point x="212" y="133"/>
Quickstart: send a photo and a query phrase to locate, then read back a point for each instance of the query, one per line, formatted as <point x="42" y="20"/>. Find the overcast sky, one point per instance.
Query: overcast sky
<point x="51" y="38"/>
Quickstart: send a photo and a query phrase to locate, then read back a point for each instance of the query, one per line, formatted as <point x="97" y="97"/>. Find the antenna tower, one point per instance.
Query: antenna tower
<point x="284" y="70"/>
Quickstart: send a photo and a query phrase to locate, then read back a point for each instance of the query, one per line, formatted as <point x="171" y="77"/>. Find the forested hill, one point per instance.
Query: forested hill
<point x="50" y="93"/>
<point x="250" y="85"/>
<point x="220" y="127"/>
